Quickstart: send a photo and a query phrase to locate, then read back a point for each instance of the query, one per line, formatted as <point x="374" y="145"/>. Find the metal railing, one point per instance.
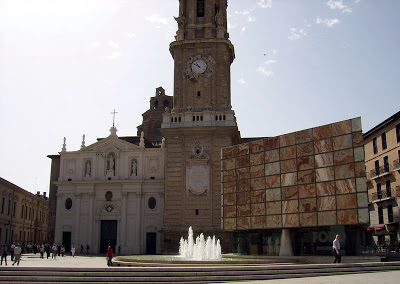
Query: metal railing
<point x="380" y="249"/>
<point x="386" y="168"/>
<point x="384" y="194"/>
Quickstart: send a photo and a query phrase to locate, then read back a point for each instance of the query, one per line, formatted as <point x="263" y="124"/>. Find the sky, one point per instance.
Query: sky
<point x="65" y="65"/>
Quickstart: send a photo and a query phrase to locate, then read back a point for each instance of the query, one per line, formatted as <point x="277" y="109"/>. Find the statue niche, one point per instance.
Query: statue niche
<point x="110" y="163"/>
<point x="134" y="168"/>
<point x="88" y="168"/>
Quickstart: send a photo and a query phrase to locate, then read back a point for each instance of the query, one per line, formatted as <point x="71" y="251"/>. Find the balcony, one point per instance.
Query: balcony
<point x="381" y="171"/>
<point x="384" y="195"/>
<point x="396" y="165"/>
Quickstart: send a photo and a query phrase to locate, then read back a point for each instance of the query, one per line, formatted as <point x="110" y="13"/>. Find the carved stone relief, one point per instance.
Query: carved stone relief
<point x="153" y="164"/>
<point x="70" y="167"/>
<point x="197" y="170"/>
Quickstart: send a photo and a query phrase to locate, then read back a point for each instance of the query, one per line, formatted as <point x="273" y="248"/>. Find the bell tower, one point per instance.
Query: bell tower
<point x="202" y="56"/>
<point x="200" y="123"/>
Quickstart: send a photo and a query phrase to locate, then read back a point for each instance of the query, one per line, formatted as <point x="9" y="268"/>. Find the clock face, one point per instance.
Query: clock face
<point x="199" y="66"/>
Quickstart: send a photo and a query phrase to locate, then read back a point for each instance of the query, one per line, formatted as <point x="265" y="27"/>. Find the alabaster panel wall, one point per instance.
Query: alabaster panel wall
<point x="313" y="177"/>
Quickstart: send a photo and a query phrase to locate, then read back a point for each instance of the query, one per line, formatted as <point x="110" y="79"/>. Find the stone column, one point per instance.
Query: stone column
<point x="96" y="239"/>
<point x="139" y="218"/>
<point x="91" y="219"/>
<point x="57" y="235"/>
<point x="286" y="244"/>
<point x="77" y="220"/>
<point x="122" y="241"/>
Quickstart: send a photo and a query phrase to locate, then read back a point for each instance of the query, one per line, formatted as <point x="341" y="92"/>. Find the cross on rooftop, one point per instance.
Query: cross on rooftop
<point x="113" y="113"/>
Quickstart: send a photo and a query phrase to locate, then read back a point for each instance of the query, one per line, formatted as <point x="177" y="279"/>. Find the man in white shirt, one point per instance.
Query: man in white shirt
<point x="17" y="254"/>
<point x="336" y="249"/>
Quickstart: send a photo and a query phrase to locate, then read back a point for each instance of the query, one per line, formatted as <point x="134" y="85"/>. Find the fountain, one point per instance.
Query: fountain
<point x="200" y="249"/>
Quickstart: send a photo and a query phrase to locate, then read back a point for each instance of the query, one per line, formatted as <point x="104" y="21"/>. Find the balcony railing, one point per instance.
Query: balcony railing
<point x="384" y="194"/>
<point x="381" y="171"/>
<point x="396" y="164"/>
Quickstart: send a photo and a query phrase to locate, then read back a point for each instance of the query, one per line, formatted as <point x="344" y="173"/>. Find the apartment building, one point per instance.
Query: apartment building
<point x="382" y="164"/>
<point x="23" y="215"/>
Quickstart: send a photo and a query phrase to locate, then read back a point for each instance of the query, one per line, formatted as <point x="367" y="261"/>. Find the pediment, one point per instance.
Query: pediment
<point x="110" y="143"/>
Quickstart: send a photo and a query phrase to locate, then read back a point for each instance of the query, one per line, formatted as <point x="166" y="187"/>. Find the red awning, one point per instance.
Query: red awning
<point x="376" y="228"/>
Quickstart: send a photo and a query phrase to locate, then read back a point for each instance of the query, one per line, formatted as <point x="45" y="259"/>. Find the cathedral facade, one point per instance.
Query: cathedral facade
<point x="111" y="193"/>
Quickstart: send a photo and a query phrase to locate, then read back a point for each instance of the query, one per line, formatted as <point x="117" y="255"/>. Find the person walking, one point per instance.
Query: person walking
<point x="17" y="254"/>
<point x="54" y="251"/>
<point x="12" y="251"/>
<point x="73" y="251"/>
<point x="4" y="254"/>
<point x="87" y="249"/>
<point x="336" y="249"/>
<point x="81" y="249"/>
<point x="47" y="248"/>
<point x="41" y="250"/>
<point x="62" y="251"/>
<point x="109" y="256"/>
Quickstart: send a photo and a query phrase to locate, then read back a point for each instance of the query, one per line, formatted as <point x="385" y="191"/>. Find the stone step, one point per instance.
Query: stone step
<point x="183" y="274"/>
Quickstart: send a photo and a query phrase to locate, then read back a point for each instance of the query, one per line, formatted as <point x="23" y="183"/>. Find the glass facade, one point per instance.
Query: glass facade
<point x="305" y="241"/>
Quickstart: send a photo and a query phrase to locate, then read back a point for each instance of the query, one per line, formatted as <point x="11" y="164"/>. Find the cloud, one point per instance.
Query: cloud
<point x="296" y="33"/>
<point x="338" y="5"/>
<point x="241" y="81"/>
<point x="264" y="72"/>
<point x="163" y="23"/>
<point x="158" y="20"/>
<point x="95" y="44"/>
<point x="243" y="29"/>
<point x="265" y="3"/>
<point x="251" y="19"/>
<point x="114" y="55"/>
<point x="269" y="62"/>
<point x="244" y="12"/>
<point x="131" y="35"/>
<point x="327" y="22"/>
<point x="113" y="44"/>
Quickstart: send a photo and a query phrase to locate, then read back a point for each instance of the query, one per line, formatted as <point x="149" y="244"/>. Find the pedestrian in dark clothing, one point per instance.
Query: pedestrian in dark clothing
<point x="4" y="254"/>
<point x="48" y="250"/>
<point x="12" y="251"/>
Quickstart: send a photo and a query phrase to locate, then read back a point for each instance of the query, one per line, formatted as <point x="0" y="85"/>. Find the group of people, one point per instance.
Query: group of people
<point x="15" y="251"/>
<point x="52" y="250"/>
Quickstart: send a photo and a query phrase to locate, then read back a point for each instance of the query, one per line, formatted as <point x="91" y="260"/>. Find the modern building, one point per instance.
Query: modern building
<point x="382" y="163"/>
<point x="23" y="215"/>
<point x="293" y="193"/>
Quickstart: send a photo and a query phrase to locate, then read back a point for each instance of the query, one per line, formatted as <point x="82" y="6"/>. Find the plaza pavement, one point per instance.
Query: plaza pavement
<point x="32" y="260"/>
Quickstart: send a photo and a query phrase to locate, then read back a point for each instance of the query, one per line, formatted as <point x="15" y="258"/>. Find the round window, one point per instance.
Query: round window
<point x="68" y="203"/>
<point x="152" y="203"/>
